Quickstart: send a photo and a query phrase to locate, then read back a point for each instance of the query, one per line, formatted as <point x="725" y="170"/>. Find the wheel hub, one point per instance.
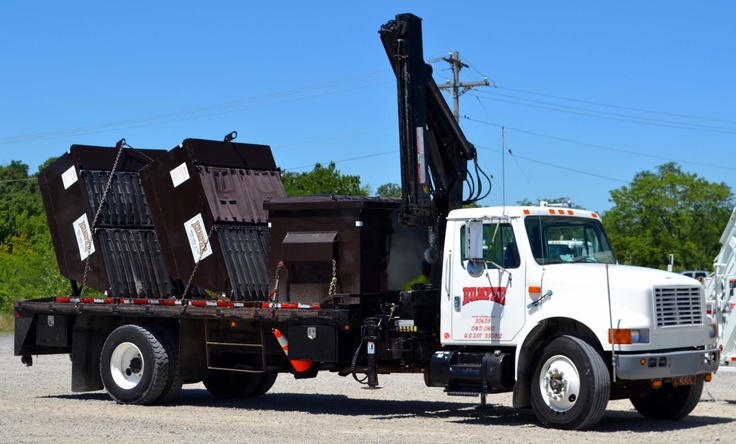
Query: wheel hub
<point x="126" y="365"/>
<point x="559" y="383"/>
<point x="135" y="366"/>
<point x="556" y="384"/>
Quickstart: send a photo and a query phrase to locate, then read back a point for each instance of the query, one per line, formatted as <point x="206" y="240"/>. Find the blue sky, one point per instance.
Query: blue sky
<point x="590" y="93"/>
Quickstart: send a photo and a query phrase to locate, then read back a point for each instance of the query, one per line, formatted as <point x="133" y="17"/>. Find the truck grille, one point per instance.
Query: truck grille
<point x="678" y="306"/>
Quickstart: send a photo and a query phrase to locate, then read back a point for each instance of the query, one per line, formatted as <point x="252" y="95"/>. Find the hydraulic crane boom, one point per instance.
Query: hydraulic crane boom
<point x="434" y="150"/>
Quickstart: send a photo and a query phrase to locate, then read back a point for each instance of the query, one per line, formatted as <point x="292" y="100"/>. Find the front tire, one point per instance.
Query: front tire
<point x="134" y="365"/>
<point x="669" y="402"/>
<point x="571" y="385"/>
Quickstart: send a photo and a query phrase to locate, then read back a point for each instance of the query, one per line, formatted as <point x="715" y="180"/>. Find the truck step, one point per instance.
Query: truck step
<point x="462" y="393"/>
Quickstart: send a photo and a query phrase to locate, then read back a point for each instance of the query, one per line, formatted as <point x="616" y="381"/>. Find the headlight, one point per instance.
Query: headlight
<point x="712" y="327"/>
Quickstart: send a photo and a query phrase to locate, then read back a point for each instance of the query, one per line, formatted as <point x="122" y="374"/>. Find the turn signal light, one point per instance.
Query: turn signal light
<point x="628" y="336"/>
<point x="619" y="336"/>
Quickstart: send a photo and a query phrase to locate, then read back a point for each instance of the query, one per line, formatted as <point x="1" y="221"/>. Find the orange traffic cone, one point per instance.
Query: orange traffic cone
<point x="299" y="366"/>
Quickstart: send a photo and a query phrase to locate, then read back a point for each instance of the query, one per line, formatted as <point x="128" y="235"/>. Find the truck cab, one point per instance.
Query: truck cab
<point x="521" y="278"/>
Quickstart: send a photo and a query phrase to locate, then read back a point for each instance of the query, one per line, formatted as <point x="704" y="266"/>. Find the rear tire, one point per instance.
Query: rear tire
<point x="267" y="381"/>
<point x="669" y="402"/>
<point x="571" y="385"/>
<point x="174" y="381"/>
<point x="232" y="385"/>
<point x="134" y="365"/>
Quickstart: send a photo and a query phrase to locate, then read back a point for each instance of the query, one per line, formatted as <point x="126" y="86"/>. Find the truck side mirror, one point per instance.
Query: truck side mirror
<point x="474" y="248"/>
<point x="474" y="240"/>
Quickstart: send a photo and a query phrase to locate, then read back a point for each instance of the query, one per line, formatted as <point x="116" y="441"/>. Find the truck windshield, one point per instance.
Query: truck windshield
<point x="564" y="239"/>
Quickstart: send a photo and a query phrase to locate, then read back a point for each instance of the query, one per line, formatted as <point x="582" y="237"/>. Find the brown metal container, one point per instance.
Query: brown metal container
<point x="206" y="199"/>
<point x="122" y="250"/>
<point x="371" y="251"/>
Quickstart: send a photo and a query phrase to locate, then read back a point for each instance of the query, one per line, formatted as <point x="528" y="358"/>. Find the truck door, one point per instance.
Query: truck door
<point x="490" y="307"/>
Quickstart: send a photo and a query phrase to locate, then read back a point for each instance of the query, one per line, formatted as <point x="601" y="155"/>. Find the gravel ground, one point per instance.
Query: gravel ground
<point x="37" y="405"/>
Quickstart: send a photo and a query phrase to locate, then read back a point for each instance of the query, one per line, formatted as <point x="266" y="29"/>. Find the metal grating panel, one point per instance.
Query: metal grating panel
<point x="134" y="264"/>
<point x="237" y="195"/>
<point x="125" y="204"/>
<point x="244" y="251"/>
<point x="677" y="306"/>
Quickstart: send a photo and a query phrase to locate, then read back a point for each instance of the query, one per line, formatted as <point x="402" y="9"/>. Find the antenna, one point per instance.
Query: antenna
<point x="503" y="167"/>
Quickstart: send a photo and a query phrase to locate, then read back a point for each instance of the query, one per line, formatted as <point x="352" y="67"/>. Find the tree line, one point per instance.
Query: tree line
<point x="662" y="212"/>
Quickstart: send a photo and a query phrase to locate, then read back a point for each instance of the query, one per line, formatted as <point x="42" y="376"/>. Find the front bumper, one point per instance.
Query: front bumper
<point x="667" y="364"/>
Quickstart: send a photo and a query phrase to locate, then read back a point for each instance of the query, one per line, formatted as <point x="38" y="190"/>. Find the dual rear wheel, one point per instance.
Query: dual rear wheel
<point x="140" y="365"/>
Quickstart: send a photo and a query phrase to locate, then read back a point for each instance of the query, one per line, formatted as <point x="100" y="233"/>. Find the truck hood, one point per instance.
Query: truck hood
<point x="626" y="277"/>
<point x="667" y="304"/>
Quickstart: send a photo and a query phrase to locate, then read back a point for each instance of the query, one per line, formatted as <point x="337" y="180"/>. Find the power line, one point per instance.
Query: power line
<point x="642" y="121"/>
<point x="196" y="113"/>
<point x="603" y="147"/>
<point x="344" y="160"/>
<point x="18" y="180"/>
<point x="337" y="136"/>
<point x="612" y="116"/>
<point x="628" y="108"/>
<point x="566" y="168"/>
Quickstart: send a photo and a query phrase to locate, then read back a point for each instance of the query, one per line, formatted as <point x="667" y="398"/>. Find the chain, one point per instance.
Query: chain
<point x="333" y="283"/>
<point x="188" y="288"/>
<point x="274" y="295"/>
<point x="150" y="159"/>
<point x="87" y="246"/>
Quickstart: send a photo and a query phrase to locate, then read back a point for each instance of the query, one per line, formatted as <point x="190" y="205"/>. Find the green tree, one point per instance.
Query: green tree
<point x="27" y="263"/>
<point x="389" y="190"/>
<point x="668" y="212"/>
<point x="323" y="180"/>
<point x="19" y="200"/>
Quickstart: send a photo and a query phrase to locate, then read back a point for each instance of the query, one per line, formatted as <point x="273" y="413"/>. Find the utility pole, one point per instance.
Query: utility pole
<point x="456" y="85"/>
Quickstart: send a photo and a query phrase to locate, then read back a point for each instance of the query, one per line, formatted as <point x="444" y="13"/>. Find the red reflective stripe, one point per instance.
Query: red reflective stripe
<point x="63" y="299"/>
<point x="141" y="301"/>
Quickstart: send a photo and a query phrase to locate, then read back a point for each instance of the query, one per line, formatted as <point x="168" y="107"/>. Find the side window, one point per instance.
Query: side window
<point x="499" y="246"/>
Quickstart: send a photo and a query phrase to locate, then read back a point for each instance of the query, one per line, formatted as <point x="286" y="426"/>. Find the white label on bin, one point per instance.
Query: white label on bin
<point x="69" y="177"/>
<point x="179" y="175"/>
<point x="84" y="237"/>
<point x="197" y="235"/>
<point x="371" y="348"/>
